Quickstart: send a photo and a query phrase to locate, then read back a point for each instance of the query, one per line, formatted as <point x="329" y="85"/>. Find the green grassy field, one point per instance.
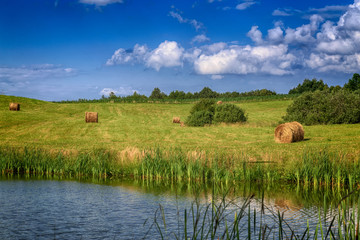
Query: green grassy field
<point x="131" y="127"/>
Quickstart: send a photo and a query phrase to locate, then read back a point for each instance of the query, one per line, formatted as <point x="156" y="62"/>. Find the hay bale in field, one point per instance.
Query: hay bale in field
<point x="14" y="107"/>
<point x="91" y="117"/>
<point x="176" y="120"/>
<point x="289" y="132"/>
<point x="219" y="102"/>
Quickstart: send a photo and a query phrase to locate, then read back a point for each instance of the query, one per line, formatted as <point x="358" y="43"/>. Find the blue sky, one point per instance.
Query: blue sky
<point x="62" y="49"/>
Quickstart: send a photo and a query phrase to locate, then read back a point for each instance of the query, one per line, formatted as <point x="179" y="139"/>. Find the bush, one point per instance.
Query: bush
<point x="204" y="105"/>
<point x="229" y="113"/>
<point x="199" y="118"/>
<point x="325" y="107"/>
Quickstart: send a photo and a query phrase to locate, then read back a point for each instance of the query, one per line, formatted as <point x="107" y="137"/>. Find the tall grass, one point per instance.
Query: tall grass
<point x="321" y="168"/>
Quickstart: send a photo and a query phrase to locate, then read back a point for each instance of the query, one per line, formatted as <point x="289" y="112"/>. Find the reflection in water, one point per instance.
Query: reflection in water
<point x="38" y="208"/>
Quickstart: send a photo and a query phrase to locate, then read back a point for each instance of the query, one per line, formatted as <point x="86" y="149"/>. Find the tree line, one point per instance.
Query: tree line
<point x="313" y="85"/>
<point x="206" y="92"/>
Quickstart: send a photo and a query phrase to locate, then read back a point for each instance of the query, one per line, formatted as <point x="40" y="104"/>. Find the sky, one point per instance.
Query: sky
<point x="69" y="49"/>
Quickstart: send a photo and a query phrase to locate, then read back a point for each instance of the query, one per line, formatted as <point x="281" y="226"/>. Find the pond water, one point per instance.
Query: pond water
<point x="36" y="208"/>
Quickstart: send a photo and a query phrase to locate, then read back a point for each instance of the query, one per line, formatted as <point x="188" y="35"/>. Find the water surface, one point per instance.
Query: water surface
<point x="53" y="209"/>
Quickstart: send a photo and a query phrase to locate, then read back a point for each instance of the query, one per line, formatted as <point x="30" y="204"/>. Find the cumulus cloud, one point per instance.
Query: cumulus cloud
<point x="255" y="35"/>
<point x="245" y="60"/>
<point x="42" y="71"/>
<point x="323" y="62"/>
<point x="167" y="54"/>
<point x="275" y="35"/>
<point x="100" y="2"/>
<point x="121" y="91"/>
<point x="196" y="24"/>
<point x="304" y="34"/>
<point x="319" y="45"/>
<point x="245" y="5"/>
<point x="122" y="56"/>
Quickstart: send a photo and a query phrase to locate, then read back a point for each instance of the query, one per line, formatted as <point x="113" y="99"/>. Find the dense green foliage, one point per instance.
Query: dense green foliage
<point x="200" y="118"/>
<point x="204" y="105"/>
<point x="354" y="83"/>
<point x="309" y="86"/>
<point x="229" y="113"/>
<point x="325" y="107"/>
<point x="157" y="94"/>
<point x="205" y="112"/>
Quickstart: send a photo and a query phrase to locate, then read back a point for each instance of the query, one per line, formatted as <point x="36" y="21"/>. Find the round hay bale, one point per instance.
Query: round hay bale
<point x="289" y="132"/>
<point x="91" y="117"/>
<point x="219" y="102"/>
<point x="176" y="119"/>
<point x="14" y="107"/>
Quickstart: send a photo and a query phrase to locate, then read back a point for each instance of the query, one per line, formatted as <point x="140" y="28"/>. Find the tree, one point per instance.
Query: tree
<point x="157" y="94"/>
<point x="309" y="86"/>
<point x="354" y="83"/>
<point x="112" y="95"/>
<point x="206" y="92"/>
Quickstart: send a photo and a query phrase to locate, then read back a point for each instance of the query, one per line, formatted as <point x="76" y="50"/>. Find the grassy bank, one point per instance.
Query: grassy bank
<point x="127" y="127"/>
<point x="141" y="140"/>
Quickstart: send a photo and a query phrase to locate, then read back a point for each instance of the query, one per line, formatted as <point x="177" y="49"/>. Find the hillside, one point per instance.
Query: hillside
<point x="129" y="126"/>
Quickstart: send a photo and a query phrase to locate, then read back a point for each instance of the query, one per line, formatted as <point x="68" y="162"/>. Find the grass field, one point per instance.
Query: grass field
<point x="138" y="126"/>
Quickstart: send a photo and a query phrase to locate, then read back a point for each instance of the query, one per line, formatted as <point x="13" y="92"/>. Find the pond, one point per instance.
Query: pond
<point x="37" y="208"/>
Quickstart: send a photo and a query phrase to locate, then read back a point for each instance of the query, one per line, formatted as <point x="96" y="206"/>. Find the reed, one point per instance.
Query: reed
<point x="320" y="168"/>
<point x="225" y="218"/>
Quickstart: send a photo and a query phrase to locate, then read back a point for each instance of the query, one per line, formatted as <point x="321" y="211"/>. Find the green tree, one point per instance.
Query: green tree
<point x="157" y="94"/>
<point x="112" y="95"/>
<point x="354" y="83"/>
<point x="309" y="86"/>
<point x="206" y="92"/>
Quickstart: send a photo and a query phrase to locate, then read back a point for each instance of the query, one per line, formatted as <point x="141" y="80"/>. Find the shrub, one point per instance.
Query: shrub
<point x="199" y="118"/>
<point x="229" y="113"/>
<point x="204" y="105"/>
<point x="325" y="107"/>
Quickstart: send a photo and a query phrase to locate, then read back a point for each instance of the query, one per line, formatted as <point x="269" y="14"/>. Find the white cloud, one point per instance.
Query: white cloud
<point x="122" y="56"/>
<point x="316" y="46"/>
<point x="121" y="91"/>
<point x="323" y="62"/>
<point x="196" y="24"/>
<point x="283" y="13"/>
<point x="275" y="35"/>
<point x="168" y="54"/>
<point x="245" y="60"/>
<point x="255" y="35"/>
<point x="200" y="39"/>
<point x="304" y="34"/>
<point x="100" y="2"/>
<point x="333" y="8"/>
<point x="245" y="5"/>
<point x="35" y="72"/>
